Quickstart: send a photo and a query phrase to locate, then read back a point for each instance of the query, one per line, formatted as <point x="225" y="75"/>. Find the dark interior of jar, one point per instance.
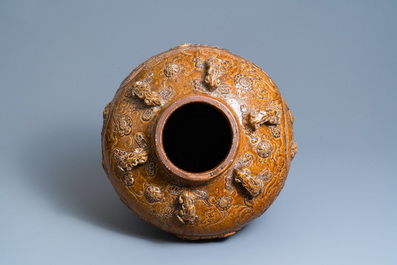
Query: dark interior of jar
<point x="197" y="137"/>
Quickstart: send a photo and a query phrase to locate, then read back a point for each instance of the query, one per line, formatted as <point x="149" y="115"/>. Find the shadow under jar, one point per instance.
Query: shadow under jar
<point x="198" y="141"/>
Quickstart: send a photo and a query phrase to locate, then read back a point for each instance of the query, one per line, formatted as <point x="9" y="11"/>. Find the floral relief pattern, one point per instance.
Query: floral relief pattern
<point x="123" y="125"/>
<point x="242" y="82"/>
<point x="264" y="149"/>
<point x="153" y="193"/>
<point x="223" y="203"/>
<point x="171" y="70"/>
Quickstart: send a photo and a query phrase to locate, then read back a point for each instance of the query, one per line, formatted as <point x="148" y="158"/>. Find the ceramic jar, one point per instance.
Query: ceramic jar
<point x="197" y="141"/>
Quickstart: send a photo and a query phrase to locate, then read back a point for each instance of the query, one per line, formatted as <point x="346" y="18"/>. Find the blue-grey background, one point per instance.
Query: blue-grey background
<point x="335" y="63"/>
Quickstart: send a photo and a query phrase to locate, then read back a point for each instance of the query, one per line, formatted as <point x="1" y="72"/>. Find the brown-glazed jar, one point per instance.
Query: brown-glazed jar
<point x="197" y="141"/>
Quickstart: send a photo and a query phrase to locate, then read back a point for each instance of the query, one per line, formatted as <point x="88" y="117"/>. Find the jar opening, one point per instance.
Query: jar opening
<point x="197" y="137"/>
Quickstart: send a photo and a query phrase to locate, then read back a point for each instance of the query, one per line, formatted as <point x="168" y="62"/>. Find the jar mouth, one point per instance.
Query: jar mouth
<point x="196" y="138"/>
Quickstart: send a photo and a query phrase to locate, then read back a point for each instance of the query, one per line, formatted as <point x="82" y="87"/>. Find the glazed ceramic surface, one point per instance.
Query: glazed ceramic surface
<point x="198" y="141"/>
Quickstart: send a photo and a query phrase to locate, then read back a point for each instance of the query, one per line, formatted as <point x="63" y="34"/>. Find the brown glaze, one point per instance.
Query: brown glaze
<point x="211" y="200"/>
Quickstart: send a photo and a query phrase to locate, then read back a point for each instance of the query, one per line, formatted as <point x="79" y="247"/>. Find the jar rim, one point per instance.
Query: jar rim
<point x="196" y="176"/>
